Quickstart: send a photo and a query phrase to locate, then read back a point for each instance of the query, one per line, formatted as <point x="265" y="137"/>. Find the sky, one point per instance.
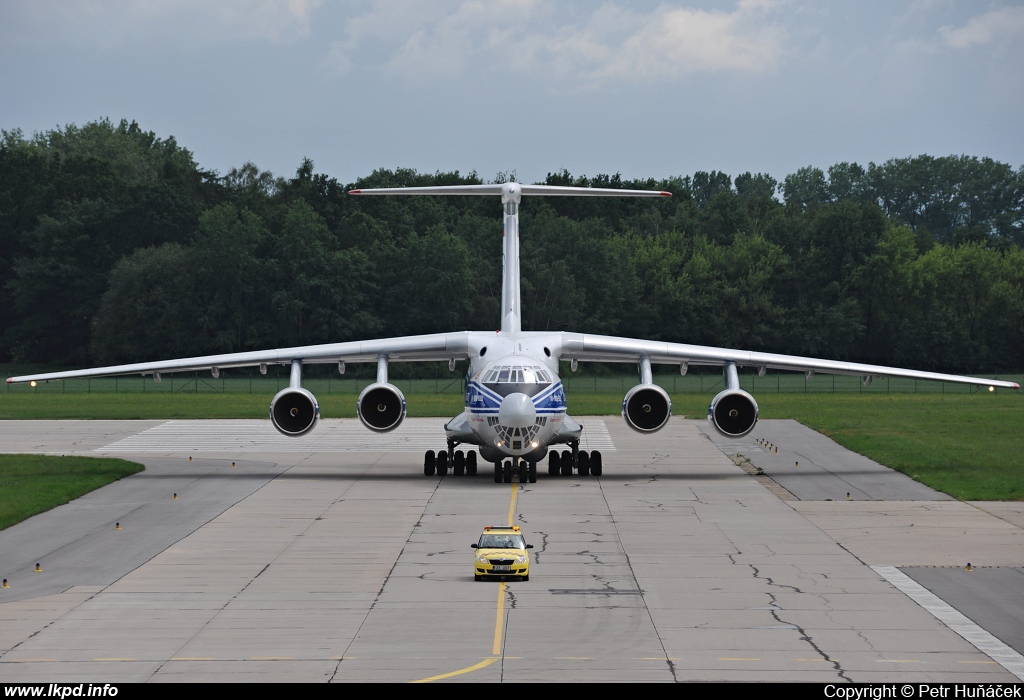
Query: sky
<point x="640" y="88"/>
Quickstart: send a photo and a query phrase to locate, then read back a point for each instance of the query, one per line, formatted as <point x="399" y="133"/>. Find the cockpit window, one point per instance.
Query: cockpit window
<point x="517" y="375"/>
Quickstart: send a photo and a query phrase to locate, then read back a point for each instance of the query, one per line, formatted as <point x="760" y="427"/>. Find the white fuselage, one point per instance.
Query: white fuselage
<point x="515" y="402"/>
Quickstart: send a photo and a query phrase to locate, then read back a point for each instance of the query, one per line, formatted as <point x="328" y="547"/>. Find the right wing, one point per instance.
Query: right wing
<point x="602" y="348"/>
<point x="412" y="348"/>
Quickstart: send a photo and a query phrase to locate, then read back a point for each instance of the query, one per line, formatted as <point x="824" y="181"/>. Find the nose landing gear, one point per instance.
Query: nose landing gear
<point x="525" y="472"/>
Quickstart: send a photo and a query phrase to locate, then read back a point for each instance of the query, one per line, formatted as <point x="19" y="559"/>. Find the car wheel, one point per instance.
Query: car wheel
<point x="477" y="577"/>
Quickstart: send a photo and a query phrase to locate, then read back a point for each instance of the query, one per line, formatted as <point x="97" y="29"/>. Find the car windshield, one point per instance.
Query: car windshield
<point x="501" y="541"/>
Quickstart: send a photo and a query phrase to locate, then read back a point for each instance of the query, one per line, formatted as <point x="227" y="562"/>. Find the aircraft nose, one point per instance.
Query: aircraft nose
<point x="517" y="411"/>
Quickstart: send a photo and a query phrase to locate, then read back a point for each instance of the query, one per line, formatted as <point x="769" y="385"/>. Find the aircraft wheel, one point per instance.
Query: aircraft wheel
<point x="428" y="463"/>
<point x="532" y="473"/>
<point x="595" y="463"/>
<point x="584" y="463"/>
<point x="506" y="473"/>
<point x="524" y="472"/>
<point x="566" y="466"/>
<point x="459" y="463"/>
<point x="553" y="466"/>
<point x="442" y="462"/>
<point x="497" y="472"/>
<point x="471" y="463"/>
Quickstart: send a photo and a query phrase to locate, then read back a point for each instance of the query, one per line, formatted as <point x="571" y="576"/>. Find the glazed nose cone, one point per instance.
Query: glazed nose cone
<point x="517" y="411"/>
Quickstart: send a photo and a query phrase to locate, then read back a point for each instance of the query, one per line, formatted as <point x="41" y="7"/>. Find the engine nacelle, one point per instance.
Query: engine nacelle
<point x="381" y="407"/>
<point x="646" y="408"/>
<point x="733" y="413"/>
<point x="294" y="411"/>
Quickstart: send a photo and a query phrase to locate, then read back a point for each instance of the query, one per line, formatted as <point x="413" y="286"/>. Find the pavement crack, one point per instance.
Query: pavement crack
<point x="636" y="582"/>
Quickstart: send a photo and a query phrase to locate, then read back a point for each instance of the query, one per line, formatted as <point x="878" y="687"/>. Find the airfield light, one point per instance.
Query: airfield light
<point x="32" y="383"/>
<point x="6" y="585"/>
<point x="38" y="568"/>
<point x="991" y="388"/>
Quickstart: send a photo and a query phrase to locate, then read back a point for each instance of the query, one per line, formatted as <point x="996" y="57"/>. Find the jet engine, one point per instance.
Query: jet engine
<point x="381" y="407"/>
<point x="294" y="411"/>
<point x="733" y="413"/>
<point x="646" y="408"/>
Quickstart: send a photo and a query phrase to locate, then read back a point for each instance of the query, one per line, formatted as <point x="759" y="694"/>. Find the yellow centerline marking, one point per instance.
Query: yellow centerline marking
<point x="468" y="669"/>
<point x="29" y="661"/>
<point x="193" y="658"/>
<point x="512" y="504"/>
<point x="735" y="658"/>
<point x="499" y="616"/>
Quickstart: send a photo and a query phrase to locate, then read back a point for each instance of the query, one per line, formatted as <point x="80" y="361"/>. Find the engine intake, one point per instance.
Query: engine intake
<point x="294" y="411"/>
<point x="646" y="408"/>
<point x="733" y="413"/>
<point x="381" y="407"/>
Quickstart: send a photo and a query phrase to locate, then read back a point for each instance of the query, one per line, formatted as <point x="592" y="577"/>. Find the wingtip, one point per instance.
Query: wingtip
<point x="10" y="380"/>
<point x="355" y="191"/>
<point x="666" y="194"/>
<point x="1015" y="385"/>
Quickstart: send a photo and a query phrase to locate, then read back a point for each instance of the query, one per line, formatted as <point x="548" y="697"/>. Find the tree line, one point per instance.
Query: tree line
<point x="116" y="246"/>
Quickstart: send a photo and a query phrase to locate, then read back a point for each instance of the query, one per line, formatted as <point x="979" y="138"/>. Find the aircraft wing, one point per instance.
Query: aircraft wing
<point x="601" y="348"/>
<point x="414" y="348"/>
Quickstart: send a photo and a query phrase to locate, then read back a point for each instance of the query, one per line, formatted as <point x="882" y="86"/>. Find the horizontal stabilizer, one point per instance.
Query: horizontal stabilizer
<point x="499" y="188"/>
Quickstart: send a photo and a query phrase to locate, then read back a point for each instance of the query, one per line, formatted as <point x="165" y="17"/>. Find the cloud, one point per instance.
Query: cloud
<point x="995" y="25"/>
<point x="432" y="40"/>
<point x="114" y="24"/>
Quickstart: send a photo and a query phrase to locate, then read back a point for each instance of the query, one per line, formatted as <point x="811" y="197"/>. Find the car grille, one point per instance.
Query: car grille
<point x="501" y="562"/>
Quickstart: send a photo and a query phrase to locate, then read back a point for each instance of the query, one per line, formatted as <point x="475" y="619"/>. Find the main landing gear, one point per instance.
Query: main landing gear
<point x="581" y="461"/>
<point x="526" y="472"/>
<point x="460" y="462"/>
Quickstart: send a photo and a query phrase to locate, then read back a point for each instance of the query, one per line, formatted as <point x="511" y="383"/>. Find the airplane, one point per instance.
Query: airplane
<point x="515" y="405"/>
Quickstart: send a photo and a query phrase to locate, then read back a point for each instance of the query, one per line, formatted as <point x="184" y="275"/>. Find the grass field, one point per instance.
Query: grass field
<point x="31" y="484"/>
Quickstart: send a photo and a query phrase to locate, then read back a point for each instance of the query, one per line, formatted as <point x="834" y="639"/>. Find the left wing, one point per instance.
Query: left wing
<point x="418" y="348"/>
<point x="602" y="348"/>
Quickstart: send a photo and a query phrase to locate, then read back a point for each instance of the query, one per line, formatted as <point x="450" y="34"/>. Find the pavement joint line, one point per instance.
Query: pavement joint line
<point x="983" y="641"/>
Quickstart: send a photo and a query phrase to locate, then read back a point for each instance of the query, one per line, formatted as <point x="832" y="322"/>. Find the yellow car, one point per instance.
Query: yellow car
<point x="501" y="551"/>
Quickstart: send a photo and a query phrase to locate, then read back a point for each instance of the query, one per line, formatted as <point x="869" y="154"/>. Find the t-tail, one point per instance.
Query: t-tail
<point x="511" y="196"/>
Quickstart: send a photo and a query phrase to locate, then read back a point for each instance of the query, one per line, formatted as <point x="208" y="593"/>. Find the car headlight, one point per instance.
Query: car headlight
<point x="482" y="559"/>
<point x="522" y="559"/>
